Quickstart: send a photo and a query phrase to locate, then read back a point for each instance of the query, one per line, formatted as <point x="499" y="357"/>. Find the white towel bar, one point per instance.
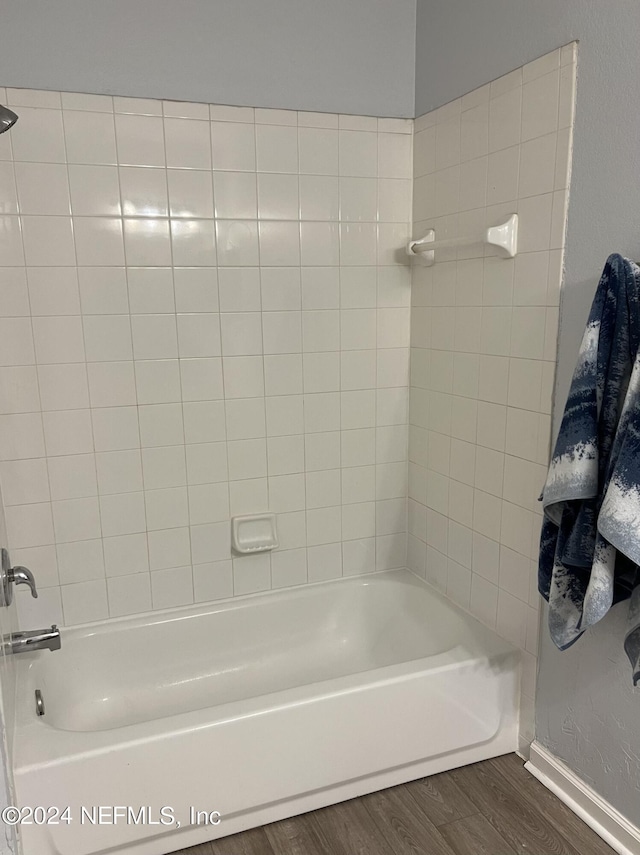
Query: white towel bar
<point x="504" y="236"/>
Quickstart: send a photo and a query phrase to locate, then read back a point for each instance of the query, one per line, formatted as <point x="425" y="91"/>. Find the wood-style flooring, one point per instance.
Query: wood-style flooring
<point x="490" y="808"/>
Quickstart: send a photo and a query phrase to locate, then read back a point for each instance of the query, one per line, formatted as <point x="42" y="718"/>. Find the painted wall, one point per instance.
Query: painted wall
<point x="355" y="57"/>
<point x="584" y="696"/>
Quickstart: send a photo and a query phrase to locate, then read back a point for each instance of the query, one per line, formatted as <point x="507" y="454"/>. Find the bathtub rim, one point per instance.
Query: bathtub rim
<point x="158" y="616"/>
<point x="153" y="616"/>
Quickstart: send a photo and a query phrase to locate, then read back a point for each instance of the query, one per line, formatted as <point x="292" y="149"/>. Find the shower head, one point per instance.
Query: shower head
<point x="7" y="119"/>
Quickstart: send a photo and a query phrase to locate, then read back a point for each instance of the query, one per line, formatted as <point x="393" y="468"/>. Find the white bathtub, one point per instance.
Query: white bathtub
<point x="258" y="708"/>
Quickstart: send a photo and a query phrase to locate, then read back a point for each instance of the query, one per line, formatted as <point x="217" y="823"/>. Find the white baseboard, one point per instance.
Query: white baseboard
<point x="598" y="814"/>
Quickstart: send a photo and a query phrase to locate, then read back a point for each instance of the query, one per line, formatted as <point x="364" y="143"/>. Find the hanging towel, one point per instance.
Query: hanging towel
<point x="590" y="541"/>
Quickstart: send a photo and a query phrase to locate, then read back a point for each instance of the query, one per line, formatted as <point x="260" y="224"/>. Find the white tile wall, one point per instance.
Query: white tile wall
<point x="483" y="338"/>
<point x="202" y="313"/>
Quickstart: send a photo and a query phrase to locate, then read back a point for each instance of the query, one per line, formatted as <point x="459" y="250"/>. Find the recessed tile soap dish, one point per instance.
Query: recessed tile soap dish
<point x="256" y="533"/>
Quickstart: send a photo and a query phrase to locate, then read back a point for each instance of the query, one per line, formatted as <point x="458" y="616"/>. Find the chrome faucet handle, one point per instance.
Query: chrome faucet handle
<point x="13" y="575"/>
<point x="23" y="576"/>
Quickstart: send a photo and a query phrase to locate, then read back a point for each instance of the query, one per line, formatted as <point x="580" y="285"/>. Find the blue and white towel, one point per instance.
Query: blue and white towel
<point x="590" y="542"/>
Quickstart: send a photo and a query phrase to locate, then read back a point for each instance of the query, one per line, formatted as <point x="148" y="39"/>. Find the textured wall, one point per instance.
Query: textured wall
<point x="587" y="711"/>
<point x="355" y="57"/>
<point x="585" y="705"/>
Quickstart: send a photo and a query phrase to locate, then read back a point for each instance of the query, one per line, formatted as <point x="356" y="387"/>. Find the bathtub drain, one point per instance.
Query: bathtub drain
<point x="39" y="703"/>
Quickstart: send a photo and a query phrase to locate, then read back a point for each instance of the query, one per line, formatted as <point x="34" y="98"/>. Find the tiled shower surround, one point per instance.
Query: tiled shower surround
<point x="483" y="344"/>
<point x="205" y="312"/>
